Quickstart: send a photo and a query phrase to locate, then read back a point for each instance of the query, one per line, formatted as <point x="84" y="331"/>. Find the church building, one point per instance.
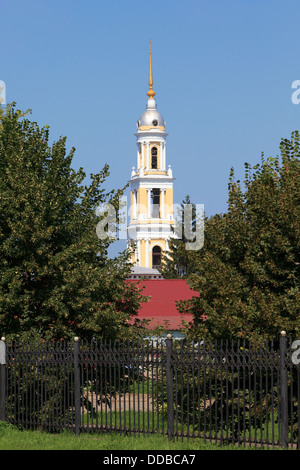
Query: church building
<point x="151" y="220"/>
<point x="151" y="188"/>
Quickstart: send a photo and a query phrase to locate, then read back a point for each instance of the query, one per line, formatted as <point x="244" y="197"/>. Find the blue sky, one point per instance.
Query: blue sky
<point x="223" y="72"/>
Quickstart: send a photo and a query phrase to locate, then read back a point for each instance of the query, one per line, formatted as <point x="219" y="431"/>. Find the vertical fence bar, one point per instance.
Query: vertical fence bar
<point x="298" y="393"/>
<point x="272" y="393"/>
<point x="291" y="394"/>
<point x="2" y="379"/>
<point x="169" y="371"/>
<point x="283" y="391"/>
<point x="30" y="371"/>
<point x="77" y="386"/>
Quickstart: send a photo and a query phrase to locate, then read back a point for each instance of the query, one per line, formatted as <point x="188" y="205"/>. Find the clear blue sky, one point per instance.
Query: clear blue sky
<point x="222" y="70"/>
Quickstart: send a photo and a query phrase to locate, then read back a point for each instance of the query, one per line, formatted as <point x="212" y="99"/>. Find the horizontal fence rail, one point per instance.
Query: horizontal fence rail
<point x="239" y="393"/>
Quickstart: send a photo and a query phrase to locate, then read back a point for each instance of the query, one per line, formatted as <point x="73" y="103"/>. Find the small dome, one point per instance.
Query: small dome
<point x="151" y="117"/>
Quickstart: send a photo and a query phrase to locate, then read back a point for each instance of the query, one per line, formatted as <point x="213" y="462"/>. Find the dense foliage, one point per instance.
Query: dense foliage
<point x="179" y="262"/>
<point x="247" y="273"/>
<point x="56" y="278"/>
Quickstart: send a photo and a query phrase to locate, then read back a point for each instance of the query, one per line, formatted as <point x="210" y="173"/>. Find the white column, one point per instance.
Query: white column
<point x="136" y="255"/>
<point x="139" y="252"/>
<point x="147" y="252"/>
<point x="162" y="203"/>
<point x="143" y="152"/>
<point x="143" y="159"/>
<point x="164" y="155"/>
<point x="161" y="158"/>
<point x="148" y="157"/>
<point x="149" y="203"/>
<point x="133" y="204"/>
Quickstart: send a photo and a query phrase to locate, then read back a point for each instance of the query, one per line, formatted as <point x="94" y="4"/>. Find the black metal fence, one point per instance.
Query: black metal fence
<point x="225" y="393"/>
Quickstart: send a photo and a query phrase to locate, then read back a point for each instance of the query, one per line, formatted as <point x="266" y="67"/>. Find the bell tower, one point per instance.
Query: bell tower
<point x="151" y="187"/>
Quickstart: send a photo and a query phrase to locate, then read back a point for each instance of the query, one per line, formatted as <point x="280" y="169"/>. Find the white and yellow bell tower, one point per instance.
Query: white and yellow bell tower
<point x="151" y="187"/>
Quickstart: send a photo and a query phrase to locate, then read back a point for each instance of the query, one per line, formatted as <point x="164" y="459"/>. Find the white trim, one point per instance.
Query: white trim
<point x="157" y="134"/>
<point x="151" y="235"/>
<point x="147" y="155"/>
<point x="134" y="203"/>
<point x="138" y="258"/>
<point x="143" y="152"/>
<point x="152" y="183"/>
<point x="156" y="243"/>
<point x="147" y="251"/>
<point x="149" y="203"/>
<point x="162" y="203"/>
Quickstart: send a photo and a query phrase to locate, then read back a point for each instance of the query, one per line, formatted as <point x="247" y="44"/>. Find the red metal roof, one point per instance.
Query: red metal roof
<point x="161" y="307"/>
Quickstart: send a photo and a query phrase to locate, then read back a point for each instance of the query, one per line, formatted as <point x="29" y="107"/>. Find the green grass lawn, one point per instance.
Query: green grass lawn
<point x="13" y="439"/>
<point x="156" y="423"/>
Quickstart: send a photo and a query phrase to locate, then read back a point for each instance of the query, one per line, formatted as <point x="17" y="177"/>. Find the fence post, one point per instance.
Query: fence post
<point x="283" y="391"/>
<point x="169" y="366"/>
<point x="77" y="386"/>
<point x="2" y="379"/>
<point x="298" y="386"/>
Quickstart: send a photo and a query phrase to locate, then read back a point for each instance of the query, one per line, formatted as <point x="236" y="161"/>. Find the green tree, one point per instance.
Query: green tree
<point x="178" y="262"/>
<point x="56" y="279"/>
<point x="247" y="273"/>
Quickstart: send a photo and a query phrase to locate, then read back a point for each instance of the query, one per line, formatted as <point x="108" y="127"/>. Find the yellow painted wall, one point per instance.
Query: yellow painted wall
<point x="147" y="128"/>
<point x="155" y="172"/>
<point x="152" y="144"/>
<point x="143" y="253"/>
<point x="142" y="201"/>
<point x="169" y="202"/>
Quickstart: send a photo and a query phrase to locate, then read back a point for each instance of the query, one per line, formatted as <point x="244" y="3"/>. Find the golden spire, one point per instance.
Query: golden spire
<point x="150" y="93"/>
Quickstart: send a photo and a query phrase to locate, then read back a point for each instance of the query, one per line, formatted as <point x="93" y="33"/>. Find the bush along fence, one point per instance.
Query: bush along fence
<point x="240" y="393"/>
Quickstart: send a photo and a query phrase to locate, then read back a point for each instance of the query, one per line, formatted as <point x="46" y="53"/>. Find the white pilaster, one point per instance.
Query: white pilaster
<point x="147" y="252"/>
<point x="135" y="203"/>
<point x="149" y="203"/>
<point x="162" y="203"/>
<point x="143" y="152"/>
<point x="161" y="159"/>
<point x="148" y="156"/>
<point x="139" y="252"/>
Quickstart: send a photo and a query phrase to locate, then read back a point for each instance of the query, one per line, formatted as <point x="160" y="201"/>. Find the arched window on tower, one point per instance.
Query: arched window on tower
<point x="155" y="212"/>
<point x="154" y="158"/>
<point x="156" y="257"/>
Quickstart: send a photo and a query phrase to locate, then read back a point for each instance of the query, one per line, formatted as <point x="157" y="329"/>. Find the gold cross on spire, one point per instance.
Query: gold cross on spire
<point x="150" y="93"/>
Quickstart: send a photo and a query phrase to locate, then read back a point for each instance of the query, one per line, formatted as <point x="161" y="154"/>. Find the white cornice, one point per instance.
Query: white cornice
<point x="157" y="133"/>
<point x="151" y="179"/>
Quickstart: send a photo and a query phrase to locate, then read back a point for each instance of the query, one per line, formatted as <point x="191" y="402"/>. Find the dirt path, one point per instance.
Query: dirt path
<point x="123" y="402"/>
